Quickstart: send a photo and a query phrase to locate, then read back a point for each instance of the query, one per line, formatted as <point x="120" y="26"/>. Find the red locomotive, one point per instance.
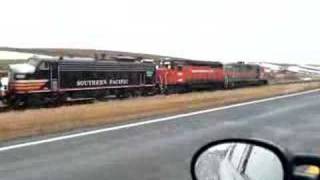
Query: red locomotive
<point x="182" y="76"/>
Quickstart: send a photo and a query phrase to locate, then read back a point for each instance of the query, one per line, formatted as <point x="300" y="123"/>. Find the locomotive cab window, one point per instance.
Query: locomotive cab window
<point x="168" y="66"/>
<point x="179" y="68"/>
<point x="44" y="66"/>
<point x="33" y="62"/>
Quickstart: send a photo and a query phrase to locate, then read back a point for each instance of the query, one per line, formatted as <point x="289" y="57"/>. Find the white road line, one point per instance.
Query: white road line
<point x="87" y="133"/>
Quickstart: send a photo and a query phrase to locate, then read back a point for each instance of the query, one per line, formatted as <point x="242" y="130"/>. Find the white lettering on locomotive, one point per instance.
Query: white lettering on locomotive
<point x="86" y="83"/>
<point x="118" y="81"/>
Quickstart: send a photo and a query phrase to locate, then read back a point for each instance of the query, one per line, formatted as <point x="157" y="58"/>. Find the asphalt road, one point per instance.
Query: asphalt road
<point x="163" y="150"/>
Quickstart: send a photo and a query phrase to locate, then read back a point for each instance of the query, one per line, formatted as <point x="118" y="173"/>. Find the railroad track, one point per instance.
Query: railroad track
<point x="4" y="108"/>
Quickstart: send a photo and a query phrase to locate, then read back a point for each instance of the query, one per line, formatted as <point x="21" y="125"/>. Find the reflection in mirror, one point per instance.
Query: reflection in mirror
<point x="307" y="171"/>
<point x="238" y="161"/>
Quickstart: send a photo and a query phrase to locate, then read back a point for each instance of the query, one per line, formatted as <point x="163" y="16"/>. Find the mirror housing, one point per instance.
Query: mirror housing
<point x="275" y="153"/>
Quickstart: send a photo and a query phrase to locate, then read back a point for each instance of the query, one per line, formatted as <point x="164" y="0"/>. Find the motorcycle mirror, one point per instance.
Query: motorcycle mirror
<point x="240" y="159"/>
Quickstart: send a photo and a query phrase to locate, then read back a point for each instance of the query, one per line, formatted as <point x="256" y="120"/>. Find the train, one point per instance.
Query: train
<point x="54" y="81"/>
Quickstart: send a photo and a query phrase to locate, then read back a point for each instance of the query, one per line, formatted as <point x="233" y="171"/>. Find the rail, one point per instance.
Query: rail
<point x="5" y="108"/>
<point x="293" y="82"/>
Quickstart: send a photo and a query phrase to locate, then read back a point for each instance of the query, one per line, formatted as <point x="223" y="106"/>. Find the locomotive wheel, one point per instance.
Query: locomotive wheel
<point x="226" y="83"/>
<point x="122" y="94"/>
<point x="18" y="103"/>
<point x="137" y="93"/>
<point x="169" y="90"/>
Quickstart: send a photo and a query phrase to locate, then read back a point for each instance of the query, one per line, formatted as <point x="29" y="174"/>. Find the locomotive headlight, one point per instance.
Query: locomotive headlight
<point x="3" y="86"/>
<point x="2" y="93"/>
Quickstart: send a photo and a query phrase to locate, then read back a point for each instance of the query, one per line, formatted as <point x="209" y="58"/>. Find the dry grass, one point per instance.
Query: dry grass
<point x="43" y="121"/>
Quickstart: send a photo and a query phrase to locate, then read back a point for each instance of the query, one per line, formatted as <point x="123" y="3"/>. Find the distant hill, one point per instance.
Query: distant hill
<point x="277" y="72"/>
<point x="91" y="53"/>
<point x="85" y="53"/>
<point x="4" y="63"/>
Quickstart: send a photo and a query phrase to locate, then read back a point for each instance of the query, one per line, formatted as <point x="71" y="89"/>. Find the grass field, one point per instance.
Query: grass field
<point x="16" y="124"/>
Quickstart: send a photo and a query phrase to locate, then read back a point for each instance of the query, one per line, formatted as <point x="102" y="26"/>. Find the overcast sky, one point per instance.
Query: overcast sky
<point x="227" y="30"/>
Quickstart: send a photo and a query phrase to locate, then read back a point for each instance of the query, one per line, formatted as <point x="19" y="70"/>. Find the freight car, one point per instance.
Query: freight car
<point x="241" y="74"/>
<point x="56" y="80"/>
<point x="180" y="76"/>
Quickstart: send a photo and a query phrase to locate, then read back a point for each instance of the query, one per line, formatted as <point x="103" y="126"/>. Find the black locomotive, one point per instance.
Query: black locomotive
<point x="57" y="80"/>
